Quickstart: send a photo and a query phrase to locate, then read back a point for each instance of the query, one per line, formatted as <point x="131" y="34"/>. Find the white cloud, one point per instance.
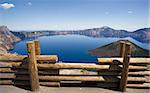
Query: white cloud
<point x="7" y="5"/>
<point x="130" y="12"/>
<point x="29" y="3"/>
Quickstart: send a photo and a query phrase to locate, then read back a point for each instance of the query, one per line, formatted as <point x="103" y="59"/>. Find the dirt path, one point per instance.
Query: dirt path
<point x="13" y="89"/>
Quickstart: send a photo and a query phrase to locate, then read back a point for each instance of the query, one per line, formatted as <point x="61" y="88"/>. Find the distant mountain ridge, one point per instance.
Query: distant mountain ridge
<point x="8" y="37"/>
<point x="142" y="35"/>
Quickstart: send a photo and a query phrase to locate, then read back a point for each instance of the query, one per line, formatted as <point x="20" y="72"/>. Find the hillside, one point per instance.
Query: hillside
<point x="7" y="39"/>
<point x="31" y="34"/>
<point x="142" y="35"/>
<point x="112" y="50"/>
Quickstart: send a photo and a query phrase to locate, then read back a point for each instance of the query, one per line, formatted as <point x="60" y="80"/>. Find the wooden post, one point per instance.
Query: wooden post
<point x="33" y="71"/>
<point x="122" y="49"/>
<point x="125" y="69"/>
<point x="37" y="47"/>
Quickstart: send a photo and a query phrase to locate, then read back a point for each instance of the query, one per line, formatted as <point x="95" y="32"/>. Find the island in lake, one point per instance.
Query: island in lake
<point x="112" y="50"/>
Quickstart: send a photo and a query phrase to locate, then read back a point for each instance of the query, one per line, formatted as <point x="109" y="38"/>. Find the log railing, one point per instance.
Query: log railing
<point x="35" y="70"/>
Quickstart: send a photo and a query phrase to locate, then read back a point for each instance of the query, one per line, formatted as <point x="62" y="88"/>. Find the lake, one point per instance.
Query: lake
<point x="70" y="47"/>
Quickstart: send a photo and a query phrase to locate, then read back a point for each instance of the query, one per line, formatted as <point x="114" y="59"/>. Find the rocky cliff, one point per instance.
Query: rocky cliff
<point x="7" y="39"/>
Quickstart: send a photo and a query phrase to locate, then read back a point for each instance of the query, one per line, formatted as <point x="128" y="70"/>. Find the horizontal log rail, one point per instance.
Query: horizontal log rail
<point x="90" y="78"/>
<point x="6" y="70"/>
<point x="50" y="84"/>
<point x="132" y="60"/>
<point x="77" y="78"/>
<point x="85" y="78"/>
<point x="47" y="58"/>
<point x="24" y="83"/>
<point x="138" y="86"/>
<point x="107" y="73"/>
<point x="39" y="72"/>
<point x="55" y="78"/>
<point x="8" y="58"/>
<point x="100" y="60"/>
<point x="38" y="57"/>
<point x="84" y="66"/>
<point x="7" y="76"/>
<point x="6" y="82"/>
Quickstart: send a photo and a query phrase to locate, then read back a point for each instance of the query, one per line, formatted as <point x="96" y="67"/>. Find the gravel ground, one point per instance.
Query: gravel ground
<point x="13" y="89"/>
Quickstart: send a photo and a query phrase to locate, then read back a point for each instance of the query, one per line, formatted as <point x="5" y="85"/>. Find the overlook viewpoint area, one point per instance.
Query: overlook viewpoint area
<point x="74" y="46"/>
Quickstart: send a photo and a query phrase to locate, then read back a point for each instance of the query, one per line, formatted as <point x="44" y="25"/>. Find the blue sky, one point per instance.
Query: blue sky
<point x="74" y="14"/>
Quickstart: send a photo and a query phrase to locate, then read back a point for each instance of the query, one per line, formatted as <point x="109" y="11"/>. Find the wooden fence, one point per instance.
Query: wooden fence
<point x="34" y="70"/>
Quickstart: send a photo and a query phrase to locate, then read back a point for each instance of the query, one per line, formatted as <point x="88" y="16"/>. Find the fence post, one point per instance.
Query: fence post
<point x="33" y="71"/>
<point x="125" y="69"/>
<point x="122" y="49"/>
<point x="37" y="47"/>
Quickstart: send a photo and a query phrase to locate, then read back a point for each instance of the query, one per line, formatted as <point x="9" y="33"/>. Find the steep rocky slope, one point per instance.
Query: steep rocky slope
<point x="7" y="39"/>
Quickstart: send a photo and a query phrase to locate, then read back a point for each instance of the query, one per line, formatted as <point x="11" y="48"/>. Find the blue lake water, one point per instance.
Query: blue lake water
<point x="71" y="47"/>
